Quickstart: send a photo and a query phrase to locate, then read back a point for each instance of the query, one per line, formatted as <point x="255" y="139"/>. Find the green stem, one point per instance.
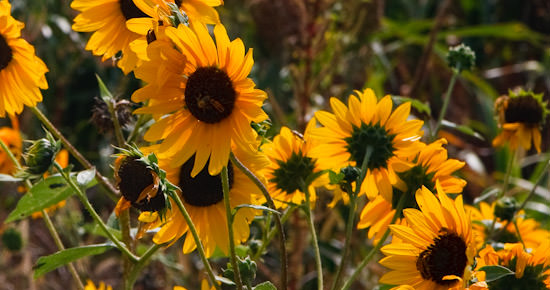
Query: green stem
<point x="124" y="218"/>
<point x="140" y="121"/>
<point x="351" y="215"/>
<point x="116" y="124"/>
<point x="111" y="190"/>
<point x="504" y="188"/>
<point x="47" y="220"/>
<point x="278" y="223"/>
<point x="272" y="233"/>
<point x="446" y="101"/>
<point x="198" y="242"/>
<point x="347" y="242"/>
<point x="229" y="215"/>
<point x="61" y="247"/>
<point x="529" y="195"/>
<point x="374" y="250"/>
<point x="93" y="213"/>
<point x="139" y="265"/>
<point x="314" y="241"/>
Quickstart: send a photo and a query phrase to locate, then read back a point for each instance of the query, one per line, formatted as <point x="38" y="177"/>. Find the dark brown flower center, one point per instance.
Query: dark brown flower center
<point x="6" y="53"/>
<point x="130" y="10"/>
<point x="178" y="2"/>
<point x="209" y="94"/>
<point x="203" y="189"/>
<point x="524" y="109"/>
<point x="134" y="177"/>
<point x="445" y="256"/>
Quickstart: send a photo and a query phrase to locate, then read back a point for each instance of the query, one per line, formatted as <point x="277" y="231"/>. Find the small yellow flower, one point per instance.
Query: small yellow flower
<point x="365" y="123"/>
<point x="521" y="116"/>
<point x="290" y="164"/>
<point x="430" y="166"/>
<point x="90" y="286"/>
<point x="436" y="249"/>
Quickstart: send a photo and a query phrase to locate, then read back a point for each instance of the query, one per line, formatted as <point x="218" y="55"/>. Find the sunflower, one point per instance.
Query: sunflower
<point x="367" y="123"/>
<point x="140" y="185"/>
<point x="430" y="165"/>
<point x="202" y="196"/>
<point x="521" y="116"/>
<point x="107" y="20"/>
<point x="528" y="229"/>
<point x="91" y="286"/>
<point x="22" y="73"/>
<point x="531" y="267"/>
<point x="150" y="29"/>
<point x="436" y="249"/>
<point x="290" y="166"/>
<point x="200" y="95"/>
<point x="12" y="138"/>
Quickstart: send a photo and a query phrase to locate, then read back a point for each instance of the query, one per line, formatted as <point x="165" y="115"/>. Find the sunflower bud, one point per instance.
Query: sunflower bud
<point x="247" y="269"/>
<point x="177" y="16"/>
<point x="461" y="57"/>
<point x="40" y="156"/>
<point x="12" y="240"/>
<point x="350" y="173"/>
<point x="505" y="208"/>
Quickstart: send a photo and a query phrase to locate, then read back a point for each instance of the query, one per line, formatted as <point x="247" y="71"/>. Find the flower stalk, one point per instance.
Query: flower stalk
<point x="198" y="242"/>
<point x="307" y="209"/>
<point x="229" y="215"/>
<point x="278" y="223"/>
<point x="374" y="250"/>
<point x="94" y="214"/>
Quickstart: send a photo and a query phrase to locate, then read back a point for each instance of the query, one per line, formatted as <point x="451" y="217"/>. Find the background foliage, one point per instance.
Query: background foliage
<point x="305" y="51"/>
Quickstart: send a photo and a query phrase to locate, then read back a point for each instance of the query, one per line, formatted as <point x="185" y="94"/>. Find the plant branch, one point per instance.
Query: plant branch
<point x="112" y="192"/>
<point x="93" y="213"/>
<point x="271" y="204"/>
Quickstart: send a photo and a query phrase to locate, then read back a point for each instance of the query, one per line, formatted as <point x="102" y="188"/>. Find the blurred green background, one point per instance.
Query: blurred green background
<point x="306" y="51"/>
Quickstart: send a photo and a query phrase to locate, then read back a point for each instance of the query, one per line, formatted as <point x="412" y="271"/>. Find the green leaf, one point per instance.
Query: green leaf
<point x="224" y="280"/>
<point x="103" y="91"/>
<point x="259" y="207"/>
<point x="495" y="272"/>
<point x="48" y="263"/>
<point x="335" y="178"/>
<point x="42" y="195"/>
<point x="510" y="31"/>
<point x="538" y="206"/>
<point x="490" y="192"/>
<point x="85" y="177"/>
<point x="418" y="105"/>
<point x="265" y="286"/>
<point x="461" y="128"/>
<point x="9" y="178"/>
